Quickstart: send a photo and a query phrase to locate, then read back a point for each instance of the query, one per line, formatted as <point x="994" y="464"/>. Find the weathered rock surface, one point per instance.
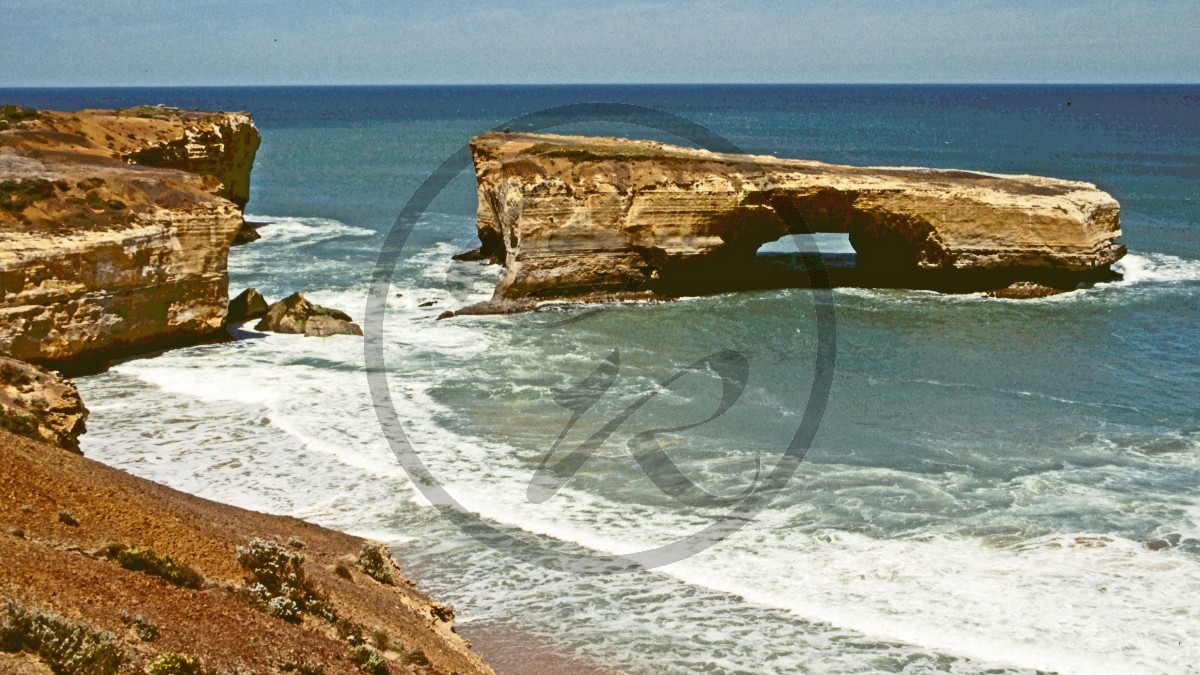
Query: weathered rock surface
<point x="249" y="304"/>
<point x="295" y="314"/>
<point x="595" y="218"/>
<point x="115" y="228"/>
<point x="39" y="404"/>
<point x="324" y="325"/>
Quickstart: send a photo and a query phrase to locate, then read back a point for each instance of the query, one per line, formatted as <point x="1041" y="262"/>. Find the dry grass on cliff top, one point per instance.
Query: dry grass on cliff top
<point x="59" y="512"/>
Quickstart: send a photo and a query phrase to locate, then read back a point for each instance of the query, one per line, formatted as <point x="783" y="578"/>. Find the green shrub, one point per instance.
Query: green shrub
<point x="375" y="560"/>
<point x="147" y="561"/>
<point x="16" y="195"/>
<point x="350" y="632"/>
<point x="19" y="424"/>
<point x="16" y="113"/>
<point x="68" y="647"/>
<point x="147" y="630"/>
<point x="368" y="660"/>
<point x="278" y="584"/>
<point x="171" y="663"/>
<point x="300" y="665"/>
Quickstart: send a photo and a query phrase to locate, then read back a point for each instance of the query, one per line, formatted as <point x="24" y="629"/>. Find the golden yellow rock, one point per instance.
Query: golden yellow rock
<point x="115" y="228"/>
<point x="598" y="218"/>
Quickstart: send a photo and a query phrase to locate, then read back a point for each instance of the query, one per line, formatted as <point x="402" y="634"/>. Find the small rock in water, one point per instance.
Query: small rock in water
<point x="445" y="315"/>
<point x="247" y="233"/>
<point x="1024" y="290"/>
<point x="428" y="303"/>
<point x="295" y="314"/>
<point x="1157" y="544"/>
<point x="249" y="304"/>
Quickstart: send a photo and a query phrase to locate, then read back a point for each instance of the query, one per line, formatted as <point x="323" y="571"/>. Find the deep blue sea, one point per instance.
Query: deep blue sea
<point x="983" y="482"/>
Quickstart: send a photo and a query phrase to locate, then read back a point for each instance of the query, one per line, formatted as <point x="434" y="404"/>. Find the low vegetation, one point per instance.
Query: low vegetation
<point x="368" y="659"/>
<point x="278" y="584"/>
<point x="375" y="560"/>
<point x="17" y="195"/>
<point x="146" y="629"/>
<point x="300" y="666"/>
<point x="68" y="647"/>
<point x="18" y="423"/>
<point x="14" y="114"/>
<point x="163" y="566"/>
<point x="172" y="663"/>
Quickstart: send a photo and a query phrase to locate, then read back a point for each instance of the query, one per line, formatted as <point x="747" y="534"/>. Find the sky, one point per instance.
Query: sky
<point x="261" y="42"/>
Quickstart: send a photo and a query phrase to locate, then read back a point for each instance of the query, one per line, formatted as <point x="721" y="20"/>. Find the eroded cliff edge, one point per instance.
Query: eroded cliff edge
<point x="115" y="227"/>
<point x="597" y="218"/>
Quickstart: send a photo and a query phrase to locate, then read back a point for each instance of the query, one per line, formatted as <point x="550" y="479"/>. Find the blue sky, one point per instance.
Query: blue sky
<point x="227" y="42"/>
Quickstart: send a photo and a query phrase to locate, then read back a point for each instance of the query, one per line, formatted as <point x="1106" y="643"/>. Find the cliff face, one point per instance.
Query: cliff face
<point x="115" y="228"/>
<point x="39" y="404"/>
<point x="602" y="217"/>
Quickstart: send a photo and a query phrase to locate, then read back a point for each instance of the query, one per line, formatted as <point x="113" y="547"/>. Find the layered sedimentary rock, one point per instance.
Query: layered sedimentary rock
<point x="595" y="218"/>
<point x="40" y="404"/>
<point x="115" y="228"/>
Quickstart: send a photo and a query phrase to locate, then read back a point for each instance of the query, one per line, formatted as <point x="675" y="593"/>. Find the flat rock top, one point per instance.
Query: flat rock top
<point x="558" y="150"/>
<point x="68" y="172"/>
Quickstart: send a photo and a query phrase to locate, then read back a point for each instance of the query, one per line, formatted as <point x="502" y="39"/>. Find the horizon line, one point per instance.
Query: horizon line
<point x="1022" y="83"/>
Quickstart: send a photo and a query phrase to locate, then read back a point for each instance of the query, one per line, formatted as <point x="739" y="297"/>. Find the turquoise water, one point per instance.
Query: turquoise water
<point x="980" y="489"/>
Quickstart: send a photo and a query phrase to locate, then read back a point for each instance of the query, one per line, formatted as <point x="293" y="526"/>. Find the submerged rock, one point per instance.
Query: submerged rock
<point x="40" y="404"/>
<point x="295" y="314"/>
<point x="576" y="217"/>
<point x="1024" y="290"/>
<point x="249" y="304"/>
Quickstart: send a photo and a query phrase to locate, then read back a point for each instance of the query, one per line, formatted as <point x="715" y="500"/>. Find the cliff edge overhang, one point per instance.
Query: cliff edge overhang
<point x="115" y="228"/>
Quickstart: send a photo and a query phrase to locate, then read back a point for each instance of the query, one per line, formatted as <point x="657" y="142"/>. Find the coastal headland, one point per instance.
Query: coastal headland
<point x="115" y="229"/>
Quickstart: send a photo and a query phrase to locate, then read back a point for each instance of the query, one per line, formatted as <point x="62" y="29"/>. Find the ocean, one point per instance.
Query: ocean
<point x="980" y="492"/>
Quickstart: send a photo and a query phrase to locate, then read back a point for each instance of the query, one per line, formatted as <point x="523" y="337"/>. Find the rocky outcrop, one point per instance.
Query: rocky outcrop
<point x="595" y="218"/>
<point x="249" y="304"/>
<point x="115" y="229"/>
<point x="39" y="404"/>
<point x="295" y="314"/>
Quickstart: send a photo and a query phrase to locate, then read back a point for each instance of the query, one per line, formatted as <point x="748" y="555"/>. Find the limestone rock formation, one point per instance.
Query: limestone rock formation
<point x="102" y="254"/>
<point x="596" y="218"/>
<point x="324" y="325"/>
<point x="249" y="304"/>
<point x="40" y="404"/>
<point x="295" y="314"/>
